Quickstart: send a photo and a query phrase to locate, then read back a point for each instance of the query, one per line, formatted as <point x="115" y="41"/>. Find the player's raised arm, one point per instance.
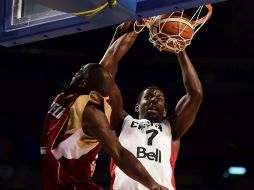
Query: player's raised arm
<point x="188" y="106"/>
<point x="121" y="42"/>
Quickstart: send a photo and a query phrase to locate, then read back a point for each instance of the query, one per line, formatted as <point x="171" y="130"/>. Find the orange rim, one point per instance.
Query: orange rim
<point x="205" y="18"/>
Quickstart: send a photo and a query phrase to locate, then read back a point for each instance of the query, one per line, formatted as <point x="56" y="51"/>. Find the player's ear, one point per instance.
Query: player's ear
<point x="137" y="107"/>
<point x="164" y="113"/>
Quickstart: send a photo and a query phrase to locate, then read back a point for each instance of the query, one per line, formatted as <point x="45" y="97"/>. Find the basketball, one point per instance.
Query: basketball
<point x="175" y="26"/>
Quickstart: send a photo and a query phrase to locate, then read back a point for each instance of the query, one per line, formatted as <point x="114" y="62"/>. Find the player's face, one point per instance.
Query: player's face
<point x="152" y="105"/>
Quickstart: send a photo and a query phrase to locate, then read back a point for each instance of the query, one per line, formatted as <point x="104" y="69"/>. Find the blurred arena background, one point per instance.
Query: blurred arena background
<point x="222" y="135"/>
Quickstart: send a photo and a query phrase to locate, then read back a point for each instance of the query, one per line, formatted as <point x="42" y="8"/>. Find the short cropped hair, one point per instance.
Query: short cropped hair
<point x="150" y="87"/>
<point x="92" y="72"/>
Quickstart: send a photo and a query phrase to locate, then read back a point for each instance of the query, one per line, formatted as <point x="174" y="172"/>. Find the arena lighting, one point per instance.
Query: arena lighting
<point x="237" y="170"/>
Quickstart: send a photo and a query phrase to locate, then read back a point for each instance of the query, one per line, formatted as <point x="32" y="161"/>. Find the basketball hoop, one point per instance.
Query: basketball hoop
<point x="174" y="31"/>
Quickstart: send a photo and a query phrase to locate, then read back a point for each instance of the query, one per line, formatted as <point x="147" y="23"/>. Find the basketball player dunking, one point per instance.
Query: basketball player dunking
<point x="154" y="138"/>
<point x="77" y="126"/>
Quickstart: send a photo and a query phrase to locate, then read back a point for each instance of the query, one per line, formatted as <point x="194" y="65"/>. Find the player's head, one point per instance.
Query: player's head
<point x="91" y="77"/>
<point x="151" y="104"/>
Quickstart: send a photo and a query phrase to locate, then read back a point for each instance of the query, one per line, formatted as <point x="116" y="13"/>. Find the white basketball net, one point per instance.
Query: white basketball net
<point x="171" y="42"/>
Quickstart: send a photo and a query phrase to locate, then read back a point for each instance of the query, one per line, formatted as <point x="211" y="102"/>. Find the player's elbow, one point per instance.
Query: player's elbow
<point x="197" y="94"/>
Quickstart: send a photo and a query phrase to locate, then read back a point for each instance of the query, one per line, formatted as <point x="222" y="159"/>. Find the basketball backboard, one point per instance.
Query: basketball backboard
<point x="25" y="21"/>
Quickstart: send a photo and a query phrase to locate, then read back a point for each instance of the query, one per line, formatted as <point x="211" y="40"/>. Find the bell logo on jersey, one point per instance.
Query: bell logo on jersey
<point x="56" y="110"/>
<point x="156" y="156"/>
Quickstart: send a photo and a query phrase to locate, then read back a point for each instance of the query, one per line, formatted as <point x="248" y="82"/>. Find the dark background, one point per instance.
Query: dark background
<point x="222" y="135"/>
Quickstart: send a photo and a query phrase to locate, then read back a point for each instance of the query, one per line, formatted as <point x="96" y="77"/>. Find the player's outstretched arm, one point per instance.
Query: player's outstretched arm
<point x="188" y="106"/>
<point x="121" y="42"/>
<point x="96" y="125"/>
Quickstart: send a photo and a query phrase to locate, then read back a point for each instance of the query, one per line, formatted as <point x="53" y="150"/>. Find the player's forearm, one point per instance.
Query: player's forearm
<point x="116" y="51"/>
<point x="122" y="45"/>
<point x="190" y="78"/>
<point x="121" y="30"/>
<point x="131" y="166"/>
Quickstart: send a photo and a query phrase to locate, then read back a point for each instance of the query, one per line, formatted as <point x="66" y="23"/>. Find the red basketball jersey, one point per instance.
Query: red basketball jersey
<point x="68" y="154"/>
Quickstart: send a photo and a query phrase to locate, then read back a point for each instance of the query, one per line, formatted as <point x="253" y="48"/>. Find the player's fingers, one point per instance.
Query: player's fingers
<point x="127" y="25"/>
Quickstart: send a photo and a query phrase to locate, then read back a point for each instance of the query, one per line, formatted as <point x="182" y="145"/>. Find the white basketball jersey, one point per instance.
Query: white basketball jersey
<point x="151" y="143"/>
